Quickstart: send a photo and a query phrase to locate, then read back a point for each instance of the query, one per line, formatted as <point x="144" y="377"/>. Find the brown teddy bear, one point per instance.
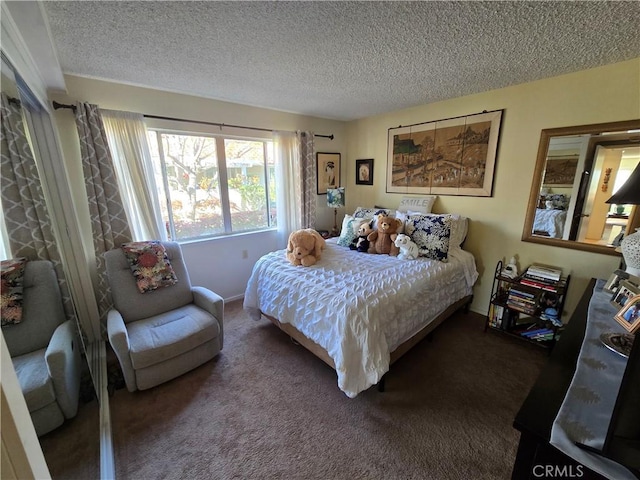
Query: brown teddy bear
<point x="305" y="247"/>
<point x="382" y="240"/>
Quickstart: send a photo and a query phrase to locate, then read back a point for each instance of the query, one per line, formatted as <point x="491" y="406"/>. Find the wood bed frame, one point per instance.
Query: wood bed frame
<point x="403" y="348"/>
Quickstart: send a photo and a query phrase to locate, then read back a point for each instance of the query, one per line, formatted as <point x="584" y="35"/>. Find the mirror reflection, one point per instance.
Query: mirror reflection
<point x="578" y="170"/>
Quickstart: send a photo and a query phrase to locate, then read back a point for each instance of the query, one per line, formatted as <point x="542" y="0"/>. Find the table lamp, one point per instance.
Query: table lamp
<point x="335" y="200"/>
<point x="629" y="194"/>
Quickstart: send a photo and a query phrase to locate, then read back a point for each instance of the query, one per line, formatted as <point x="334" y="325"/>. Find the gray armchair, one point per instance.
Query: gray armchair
<point x="161" y="334"/>
<point x="45" y="350"/>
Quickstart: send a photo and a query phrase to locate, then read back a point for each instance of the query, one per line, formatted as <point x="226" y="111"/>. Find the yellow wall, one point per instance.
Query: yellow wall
<point x="604" y="94"/>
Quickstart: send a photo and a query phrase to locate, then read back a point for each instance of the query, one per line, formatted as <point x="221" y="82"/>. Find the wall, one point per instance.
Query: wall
<point x="604" y="94"/>
<point x="222" y="264"/>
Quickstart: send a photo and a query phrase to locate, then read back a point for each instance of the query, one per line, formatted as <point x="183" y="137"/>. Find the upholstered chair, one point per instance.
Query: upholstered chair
<point x="45" y="350"/>
<point x="163" y="333"/>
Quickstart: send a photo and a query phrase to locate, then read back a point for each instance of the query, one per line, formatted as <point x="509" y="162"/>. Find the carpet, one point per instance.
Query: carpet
<point x="266" y="408"/>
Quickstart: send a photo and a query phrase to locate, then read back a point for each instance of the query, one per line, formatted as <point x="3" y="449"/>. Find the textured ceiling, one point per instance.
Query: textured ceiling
<point x="339" y="60"/>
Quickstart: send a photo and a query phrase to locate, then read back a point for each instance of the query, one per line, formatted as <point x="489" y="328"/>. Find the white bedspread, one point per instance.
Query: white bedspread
<point x="550" y="221"/>
<point x="357" y="306"/>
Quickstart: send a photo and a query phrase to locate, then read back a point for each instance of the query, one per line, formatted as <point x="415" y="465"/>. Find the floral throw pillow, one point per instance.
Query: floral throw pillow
<point x="431" y="233"/>
<point x="12" y="273"/>
<point x="150" y="265"/>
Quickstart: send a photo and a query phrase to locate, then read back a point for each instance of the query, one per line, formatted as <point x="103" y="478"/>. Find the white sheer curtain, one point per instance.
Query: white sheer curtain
<point x="288" y="184"/>
<point x="127" y="137"/>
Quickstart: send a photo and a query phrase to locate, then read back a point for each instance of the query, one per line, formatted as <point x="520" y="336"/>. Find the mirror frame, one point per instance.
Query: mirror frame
<point x="536" y="184"/>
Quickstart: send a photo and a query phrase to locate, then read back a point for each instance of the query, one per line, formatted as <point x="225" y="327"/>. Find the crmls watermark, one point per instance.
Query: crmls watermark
<point x="558" y="471"/>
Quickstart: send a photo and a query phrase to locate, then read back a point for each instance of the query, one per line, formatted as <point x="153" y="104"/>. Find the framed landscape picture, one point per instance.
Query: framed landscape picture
<point x="456" y="156"/>
<point x="328" y="171"/>
<point x="560" y="171"/>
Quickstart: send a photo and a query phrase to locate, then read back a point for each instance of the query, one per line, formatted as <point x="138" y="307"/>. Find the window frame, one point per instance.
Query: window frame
<point x="221" y="164"/>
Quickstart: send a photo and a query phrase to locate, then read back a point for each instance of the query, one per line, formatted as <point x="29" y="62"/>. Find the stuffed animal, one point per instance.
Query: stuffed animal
<point x="408" y="248"/>
<point x="305" y="247"/>
<point x="361" y="243"/>
<point x="382" y="239"/>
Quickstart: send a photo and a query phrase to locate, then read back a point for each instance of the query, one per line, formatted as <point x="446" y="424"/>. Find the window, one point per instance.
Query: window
<point x="213" y="185"/>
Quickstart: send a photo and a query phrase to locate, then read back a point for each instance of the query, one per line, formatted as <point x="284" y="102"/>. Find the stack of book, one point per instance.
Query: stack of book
<point x="543" y="277"/>
<point x="522" y="301"/>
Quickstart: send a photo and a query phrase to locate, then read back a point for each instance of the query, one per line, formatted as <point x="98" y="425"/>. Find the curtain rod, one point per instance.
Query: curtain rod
<point x="57" y="105"/>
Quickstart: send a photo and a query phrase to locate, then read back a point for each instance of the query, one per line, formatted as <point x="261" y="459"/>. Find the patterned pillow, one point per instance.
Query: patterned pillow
<point x="12" y="274"/>
<point x="150" y="265"/>
<point x="431" y="233"/>
<point x="349" y="232"/>
<point x="372" y="213"/>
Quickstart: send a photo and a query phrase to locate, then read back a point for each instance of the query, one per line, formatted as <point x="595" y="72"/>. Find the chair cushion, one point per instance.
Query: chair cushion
<point x="161" y="337"/>
<point x="34" y="379"/>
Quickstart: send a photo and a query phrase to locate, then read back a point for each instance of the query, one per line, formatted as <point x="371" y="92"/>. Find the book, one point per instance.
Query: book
<point x="521" y="293"/>
<point x="538" y="331"/>
<point x="543" y="284"/>
<point x="544" y="272"/>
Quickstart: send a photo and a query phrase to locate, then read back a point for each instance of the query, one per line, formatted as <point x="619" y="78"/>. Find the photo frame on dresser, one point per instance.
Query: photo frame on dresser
<point x="613" y="284"/>
<point x="629" y="315"/>
<point x="625" y="292"/>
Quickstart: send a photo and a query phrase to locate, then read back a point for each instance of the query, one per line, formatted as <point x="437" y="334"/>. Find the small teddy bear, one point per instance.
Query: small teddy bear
<point x="361" y="243"/>
<point x="408" y="248"/>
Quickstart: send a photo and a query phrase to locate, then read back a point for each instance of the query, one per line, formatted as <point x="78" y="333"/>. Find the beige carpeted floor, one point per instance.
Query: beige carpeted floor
<point x="266" y="408"/>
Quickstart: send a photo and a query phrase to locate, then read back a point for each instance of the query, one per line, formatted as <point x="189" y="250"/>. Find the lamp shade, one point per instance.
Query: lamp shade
<point x="629" y="193"/>
<point x="335" y="197"/>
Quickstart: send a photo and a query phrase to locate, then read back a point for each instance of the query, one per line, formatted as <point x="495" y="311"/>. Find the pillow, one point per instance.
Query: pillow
<point x="431" y="233"/>
<point x="417" y="204"/>
<point x="372" y="213"/>
<point x="459" y="230"/>
<point x="403" y="216"/>
<point x="349" y="232"/>
<point x="150" y="265"/>
<point x="12" y="274"/>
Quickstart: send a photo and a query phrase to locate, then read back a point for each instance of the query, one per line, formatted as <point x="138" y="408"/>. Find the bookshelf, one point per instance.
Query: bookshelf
<point x="530" y="306"/>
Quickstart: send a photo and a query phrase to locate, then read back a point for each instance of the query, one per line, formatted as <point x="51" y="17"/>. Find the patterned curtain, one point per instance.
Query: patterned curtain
<point x="309" y="187"/>
<point x="108" y="219"/>
<point x="26" y="217"/>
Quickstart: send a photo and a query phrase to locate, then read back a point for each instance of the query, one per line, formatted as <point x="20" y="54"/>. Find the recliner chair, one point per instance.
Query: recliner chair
<point x="164" y="333"/>
<point x="45" y="350"/>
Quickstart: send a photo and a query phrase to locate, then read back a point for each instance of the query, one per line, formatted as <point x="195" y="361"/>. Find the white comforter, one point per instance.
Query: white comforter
<point x="550" y="221"/>
<point x="357" y="306"/>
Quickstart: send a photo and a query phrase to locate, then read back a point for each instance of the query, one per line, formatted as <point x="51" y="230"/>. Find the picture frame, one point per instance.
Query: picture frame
<point x="629" y="315"/>
<point x="560" y="171"/>
<point x="327" y="171"/>
<point x="626" y="291"/>
<point x="364" y="171"/>
<point x="612" y="285"/>
<point x="454" y="156"/>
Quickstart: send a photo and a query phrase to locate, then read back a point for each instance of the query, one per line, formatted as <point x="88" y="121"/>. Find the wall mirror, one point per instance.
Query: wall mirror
<point x="577" y="170"/>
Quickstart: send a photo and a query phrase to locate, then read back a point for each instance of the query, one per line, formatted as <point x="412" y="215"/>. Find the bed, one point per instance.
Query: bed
<point x="359" y="312"/>
<point x="549" y="222"/>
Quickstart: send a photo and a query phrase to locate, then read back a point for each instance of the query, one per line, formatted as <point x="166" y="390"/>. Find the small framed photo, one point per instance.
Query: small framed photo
<point x="328" y="171"/>
<point x="629" y="315"/>
<point x="613" y="283"/>
<point x="364" y="171"/>
<point x="625" y="292"/>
